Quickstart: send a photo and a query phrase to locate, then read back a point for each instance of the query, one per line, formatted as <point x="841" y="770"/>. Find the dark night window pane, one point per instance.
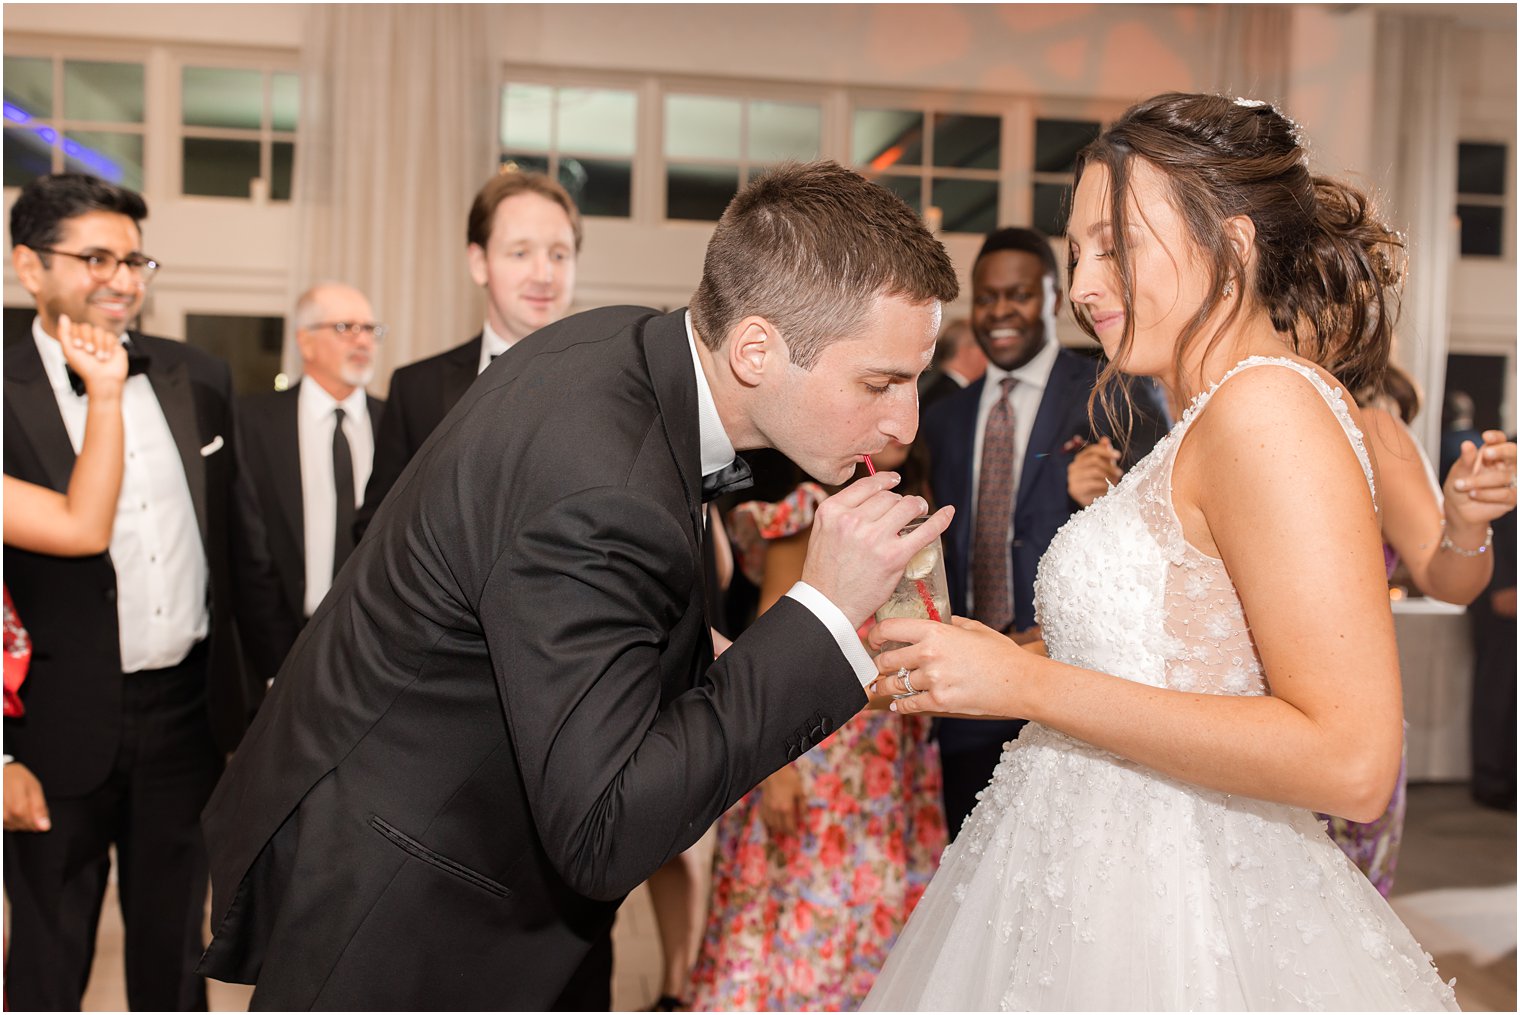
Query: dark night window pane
<point x="526" y="163"/>
<point x="1480" y="168"/>
<point x="1052" y="204"/>
<point x="909" y="188"/>
<point x="282" y="155"/>
<point x="1056" y="143"/>
<point x="28" y="155"/>
<point x="883" y="138"/>
<point x="699" y="192"/>
<point x="250" y="344"/>
<point x="967" y="142"/>
<point x="1482" y="230"/>
<point x="215" y="167"/>
<point x="599" y="186"/>
<point x="968" y="206"/>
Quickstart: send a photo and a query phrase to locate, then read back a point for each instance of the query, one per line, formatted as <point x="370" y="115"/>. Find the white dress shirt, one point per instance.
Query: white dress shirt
<point x="161" y="571"/>
<point x="718" y="453"/>
<point x="319" y="504"/>
<point x="492" y="345"/>
<point x="1024" y="400"/>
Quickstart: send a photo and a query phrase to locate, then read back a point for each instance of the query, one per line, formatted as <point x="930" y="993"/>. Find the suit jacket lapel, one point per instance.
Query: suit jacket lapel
<point x="962" y="438"/>
<point x="29" y="395"/>
<point x="285" y="460"/>
<point x="171" y="385"/>
<point x="675" y="390"/>
<point x="1044" y="439"/>
<point x="464" y="367"/>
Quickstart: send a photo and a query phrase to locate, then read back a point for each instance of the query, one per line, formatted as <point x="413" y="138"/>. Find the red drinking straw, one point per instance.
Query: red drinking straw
<point x="870" y="469"/>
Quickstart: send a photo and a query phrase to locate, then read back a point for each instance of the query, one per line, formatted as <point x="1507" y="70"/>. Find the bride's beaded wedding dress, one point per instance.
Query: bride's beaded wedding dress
<point x="1084" y="881"/>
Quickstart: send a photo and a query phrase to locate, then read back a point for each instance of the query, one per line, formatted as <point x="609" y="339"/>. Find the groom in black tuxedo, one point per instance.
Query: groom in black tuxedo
<point x="506" y="714"/>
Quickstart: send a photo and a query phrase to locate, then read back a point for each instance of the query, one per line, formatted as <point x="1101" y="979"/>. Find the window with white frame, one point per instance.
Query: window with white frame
<point x="73" y="115"/>
<point x="1482" y="197"/>
<point x="1056" y="144"/>
<point x="715" y="143"/>
<point x="582" y="136"/>
<point x="934" y="158"/>
<point x="237" y="131"/>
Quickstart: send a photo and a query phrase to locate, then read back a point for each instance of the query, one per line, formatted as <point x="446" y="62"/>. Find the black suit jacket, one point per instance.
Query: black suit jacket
<point x="506" y="714"/>
<point x="72" y="725"/>
<point x="270" y="489"/>
<point x="1041" y="505"/>
<point x="421" y="394"/>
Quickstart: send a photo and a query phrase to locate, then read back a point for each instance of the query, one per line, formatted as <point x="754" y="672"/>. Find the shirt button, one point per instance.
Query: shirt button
<point x="145" y="505"/>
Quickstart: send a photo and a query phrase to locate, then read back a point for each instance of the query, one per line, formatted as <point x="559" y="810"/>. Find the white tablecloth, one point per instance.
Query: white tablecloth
<point x="1436" y="659"/>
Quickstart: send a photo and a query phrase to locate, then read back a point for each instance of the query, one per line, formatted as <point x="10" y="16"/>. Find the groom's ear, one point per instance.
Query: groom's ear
<point x="755" y="347"/>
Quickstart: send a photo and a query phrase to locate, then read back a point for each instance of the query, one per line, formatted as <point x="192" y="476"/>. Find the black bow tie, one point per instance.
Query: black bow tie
<point x="137" y="363"/>
<point x="730" y="479"/>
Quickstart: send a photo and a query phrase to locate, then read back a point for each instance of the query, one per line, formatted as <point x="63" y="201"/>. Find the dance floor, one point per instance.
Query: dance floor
<point x="1455" y="890"/>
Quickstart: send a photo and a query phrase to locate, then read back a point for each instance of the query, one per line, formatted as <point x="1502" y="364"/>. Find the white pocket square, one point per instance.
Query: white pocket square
<point x="213" y="447"/>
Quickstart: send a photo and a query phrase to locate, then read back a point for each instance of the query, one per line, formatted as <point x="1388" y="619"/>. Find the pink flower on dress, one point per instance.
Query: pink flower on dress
<point x="802" y="917"/>
<point x="832" y="848"/>
<point x="867" y="885"/>
<point x="886" y="743"/>
<point x="880" y="777"/>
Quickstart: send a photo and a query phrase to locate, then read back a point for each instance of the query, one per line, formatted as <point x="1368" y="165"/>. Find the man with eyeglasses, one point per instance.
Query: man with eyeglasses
<point x="136" y="689"/>
<point x="524" y="234"/>
<point x="307" y="454"/>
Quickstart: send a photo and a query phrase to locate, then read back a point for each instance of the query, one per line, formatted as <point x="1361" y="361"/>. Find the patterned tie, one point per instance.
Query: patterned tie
<point x="343" y="487"/>
<point x="991" y="558"/>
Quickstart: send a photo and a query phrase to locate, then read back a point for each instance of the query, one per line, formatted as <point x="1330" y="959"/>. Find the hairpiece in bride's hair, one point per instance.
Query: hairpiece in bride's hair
<point x="1249" y="103"/>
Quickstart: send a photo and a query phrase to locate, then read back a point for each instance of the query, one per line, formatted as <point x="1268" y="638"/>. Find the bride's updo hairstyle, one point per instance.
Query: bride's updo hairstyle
<point x="1327" y="271"/>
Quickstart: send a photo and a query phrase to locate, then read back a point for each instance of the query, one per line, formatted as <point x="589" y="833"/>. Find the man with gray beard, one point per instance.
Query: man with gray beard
<point x="306" y="457"/>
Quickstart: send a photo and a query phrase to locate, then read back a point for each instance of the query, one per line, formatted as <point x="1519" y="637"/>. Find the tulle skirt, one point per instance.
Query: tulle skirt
<point x="1085" y="882"/>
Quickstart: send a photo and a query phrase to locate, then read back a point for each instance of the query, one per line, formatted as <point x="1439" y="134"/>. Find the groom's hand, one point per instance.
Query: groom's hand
<point x="855" y="555"/>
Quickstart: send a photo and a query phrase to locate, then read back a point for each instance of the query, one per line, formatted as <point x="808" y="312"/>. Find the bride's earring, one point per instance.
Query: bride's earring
<point x="1229" y="288"/>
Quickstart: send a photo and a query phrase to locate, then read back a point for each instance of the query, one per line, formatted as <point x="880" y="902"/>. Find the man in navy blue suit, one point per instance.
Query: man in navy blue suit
<point x="1018" y="449"/>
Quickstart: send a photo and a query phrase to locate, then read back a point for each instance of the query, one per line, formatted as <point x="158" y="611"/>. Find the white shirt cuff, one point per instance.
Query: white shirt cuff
<point x="833" y="618"/>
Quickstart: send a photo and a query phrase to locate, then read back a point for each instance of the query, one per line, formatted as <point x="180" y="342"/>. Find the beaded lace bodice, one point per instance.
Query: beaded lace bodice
<point x="1122" y="591"/>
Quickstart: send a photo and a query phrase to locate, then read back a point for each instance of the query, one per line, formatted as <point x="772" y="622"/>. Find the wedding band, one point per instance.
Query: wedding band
<point x="907" y="684"/>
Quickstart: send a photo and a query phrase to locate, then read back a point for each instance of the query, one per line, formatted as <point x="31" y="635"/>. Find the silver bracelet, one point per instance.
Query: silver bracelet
<point x="1447" y="544"/>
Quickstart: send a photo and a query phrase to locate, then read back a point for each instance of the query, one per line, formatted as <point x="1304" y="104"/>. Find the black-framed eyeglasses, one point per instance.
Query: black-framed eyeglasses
<point x="350" y="331"/>
<point x="103" y="264"/>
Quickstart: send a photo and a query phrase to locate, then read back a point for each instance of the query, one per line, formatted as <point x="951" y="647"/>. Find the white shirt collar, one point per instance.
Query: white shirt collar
<point x="1034" y="374"/>
<point x="717" y="450"/>
<point x="317" y="403"/>
<point x="491" y="346"/>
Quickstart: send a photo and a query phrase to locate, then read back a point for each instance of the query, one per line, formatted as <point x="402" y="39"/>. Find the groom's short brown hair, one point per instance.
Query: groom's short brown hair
<point x="809" y="247"/>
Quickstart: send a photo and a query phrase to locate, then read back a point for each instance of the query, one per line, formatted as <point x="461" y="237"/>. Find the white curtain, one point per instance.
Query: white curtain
<point x="1251" y="51"/>
<point x="1416" y="83"/>
<point x="395" y="137"/>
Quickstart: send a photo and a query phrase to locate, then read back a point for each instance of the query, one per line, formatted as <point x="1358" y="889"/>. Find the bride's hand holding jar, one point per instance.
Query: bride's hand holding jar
<point x="963" y="669"/>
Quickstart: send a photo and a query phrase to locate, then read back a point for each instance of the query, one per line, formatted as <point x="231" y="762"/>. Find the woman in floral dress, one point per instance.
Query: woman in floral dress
<point x="817" y="869"/>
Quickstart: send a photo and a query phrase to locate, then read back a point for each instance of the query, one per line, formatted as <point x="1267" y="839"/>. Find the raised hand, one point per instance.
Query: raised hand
<point x="855" y="555"/>
<point x="96" y="355"/>
<point x="1481" y="484"/>
<point x="963" y="668"/>
<point x="1091" y="472"/>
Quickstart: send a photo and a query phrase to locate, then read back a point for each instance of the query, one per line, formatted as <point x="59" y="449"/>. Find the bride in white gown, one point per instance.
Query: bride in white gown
<point x="1221" y="652"/>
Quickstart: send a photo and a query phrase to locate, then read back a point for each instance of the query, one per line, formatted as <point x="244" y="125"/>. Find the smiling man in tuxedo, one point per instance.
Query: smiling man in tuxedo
<point x="136" y="687"/>
<point x="507" y="714"/>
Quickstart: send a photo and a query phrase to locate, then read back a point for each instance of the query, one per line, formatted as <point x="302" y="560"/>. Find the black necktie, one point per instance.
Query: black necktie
<point x="731" y="478"/>
<point x="137" y="363"/>
<point x="343" y="487"/>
